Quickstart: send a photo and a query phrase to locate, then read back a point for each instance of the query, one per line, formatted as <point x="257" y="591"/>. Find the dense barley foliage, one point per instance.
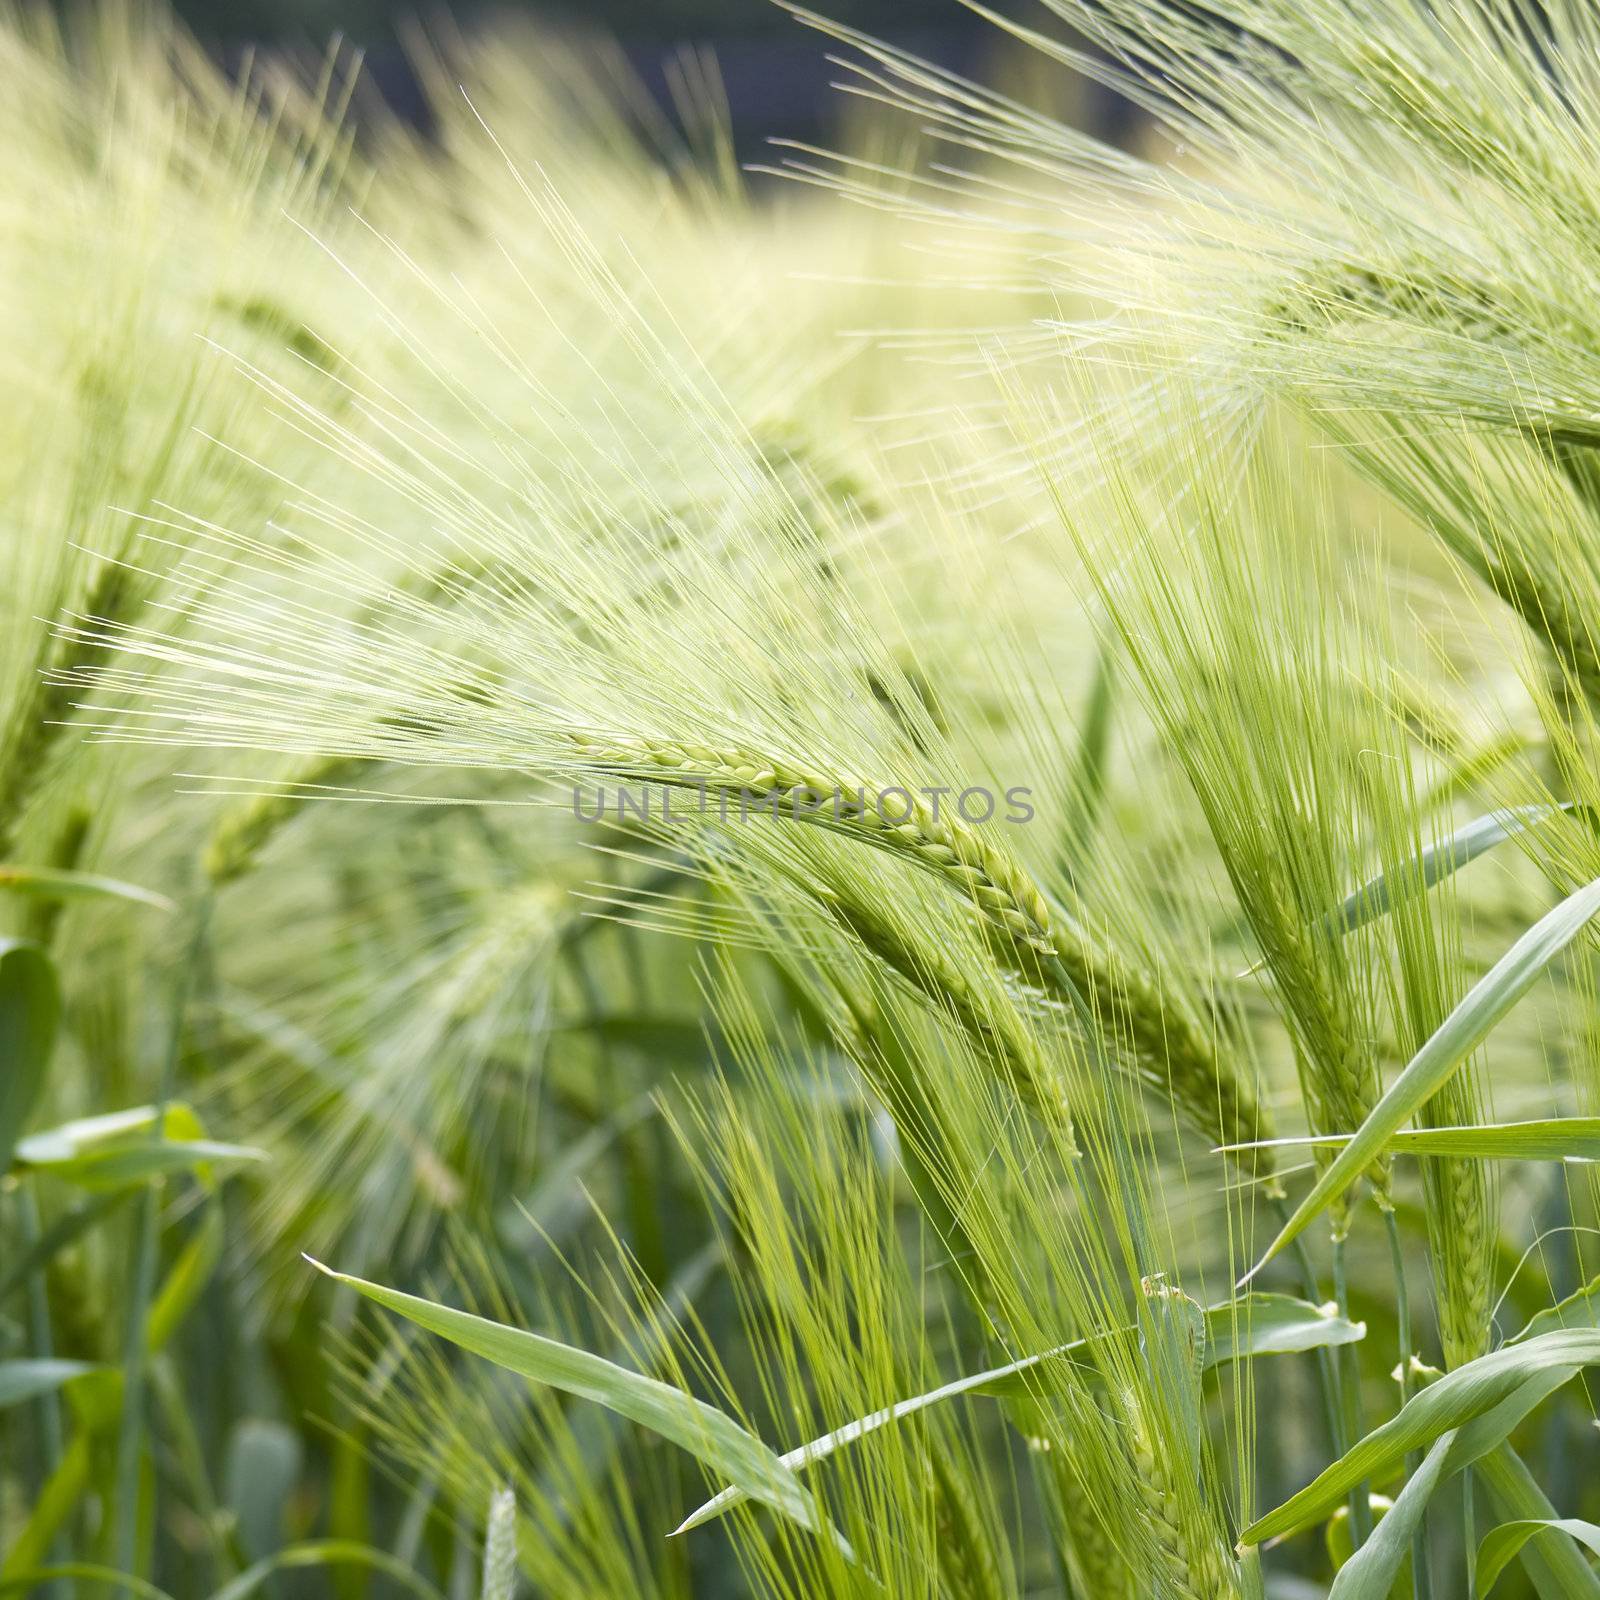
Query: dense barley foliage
<point x="880" y="889"/>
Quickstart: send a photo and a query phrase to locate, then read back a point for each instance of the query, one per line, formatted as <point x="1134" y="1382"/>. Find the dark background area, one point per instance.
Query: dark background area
<point x="658" y="21"/>
<point x="774" y="69"/>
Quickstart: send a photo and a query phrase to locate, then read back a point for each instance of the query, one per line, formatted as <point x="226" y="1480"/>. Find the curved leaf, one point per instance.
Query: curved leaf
<point x="56" y="883"/>
<point x="1504" y="1543"/>
<point x="710" y="1435"/>
<point x="1456" y="1038"/>
<point x="118" y="1149"/>
<point x="24" y="1379"/>
<point x="327" y="1553"/>
<point x="1555" y="1567"/>
<point x="1580" y="1309"/>
<point x="85" y="1572"/>
<point x="1371" y="1571"/>
<point x="1273" y="1325"/>
<point x="1514" y="1376"/>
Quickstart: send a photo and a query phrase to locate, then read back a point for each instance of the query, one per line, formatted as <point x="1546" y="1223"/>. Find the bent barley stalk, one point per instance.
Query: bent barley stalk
<point x="997" y="1030"/>
<point x="1043" y="940"/>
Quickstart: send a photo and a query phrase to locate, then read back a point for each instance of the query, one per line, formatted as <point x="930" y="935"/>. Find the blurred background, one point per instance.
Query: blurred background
<point x="775" y="71"/>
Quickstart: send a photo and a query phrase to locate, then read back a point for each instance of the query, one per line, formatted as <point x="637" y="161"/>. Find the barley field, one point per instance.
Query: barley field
<point x="870" y="878"/>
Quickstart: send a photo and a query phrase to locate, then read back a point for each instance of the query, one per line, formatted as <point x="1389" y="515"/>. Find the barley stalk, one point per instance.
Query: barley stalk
<point x="1039" y="939"/>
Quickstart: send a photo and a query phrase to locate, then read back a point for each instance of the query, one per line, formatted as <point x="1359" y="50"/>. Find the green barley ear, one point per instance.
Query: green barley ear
<point x="1162" y="1416"/>
<point x="1427" y="973"/>
<point x="998" y="1029"/>
<point x="1195" y="1562"/>
<point x="248" y="826"/>
<point x="1095" y="1562"/>
<point x="1223" y="595"/>
<point x="1037" y="939"/>
<point x="500" y="1547"/>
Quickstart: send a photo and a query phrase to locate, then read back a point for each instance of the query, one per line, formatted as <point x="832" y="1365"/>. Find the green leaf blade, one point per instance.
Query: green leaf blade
<point x="1503" y="1544"/>
<point x="1456" y="1038"/>
<point x="710" y="1435"/>
<point x="25" y="1379"/>
<point x="1495" y="1391"/>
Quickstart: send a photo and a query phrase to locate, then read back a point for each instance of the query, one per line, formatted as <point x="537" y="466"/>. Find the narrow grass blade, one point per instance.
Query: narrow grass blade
<point x="1256" y="1325"/>
<point x="710" y="1435"/>
<point x="25" y="1379"/>
<point x="56" y="883"/>
<point x="1379" y="894"/>
<point x="30" y="1013"/>
<point x="1541" y="1139"/>
<point x="1518" y="1375"/>
<point x="1501" y="1546"/>
<point x="1457" y="1037"/>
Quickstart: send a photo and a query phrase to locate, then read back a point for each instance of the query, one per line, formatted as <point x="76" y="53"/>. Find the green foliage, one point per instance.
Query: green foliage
<point x="783" y="903"/>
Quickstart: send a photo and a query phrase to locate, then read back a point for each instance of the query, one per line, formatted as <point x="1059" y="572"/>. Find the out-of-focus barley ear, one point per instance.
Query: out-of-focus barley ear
<point x="246" y="828"/>
<point x="500" y="1547"/>
<point x="970" y="1562"/>
<point x="1095" y="1563"/>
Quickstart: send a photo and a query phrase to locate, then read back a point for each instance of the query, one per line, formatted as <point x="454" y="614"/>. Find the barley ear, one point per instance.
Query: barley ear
<point x="500" y="1547"/>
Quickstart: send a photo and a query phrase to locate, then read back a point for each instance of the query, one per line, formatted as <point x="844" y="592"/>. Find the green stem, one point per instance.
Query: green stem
<point x="51" y="1437"/>
<point x="1360" y="1502"/>
<point x="1421" y="1578"/>
<point x="1469" y="1535"/>
<point x="1328" y="1386"/>
<point x="130" y="1431"/>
